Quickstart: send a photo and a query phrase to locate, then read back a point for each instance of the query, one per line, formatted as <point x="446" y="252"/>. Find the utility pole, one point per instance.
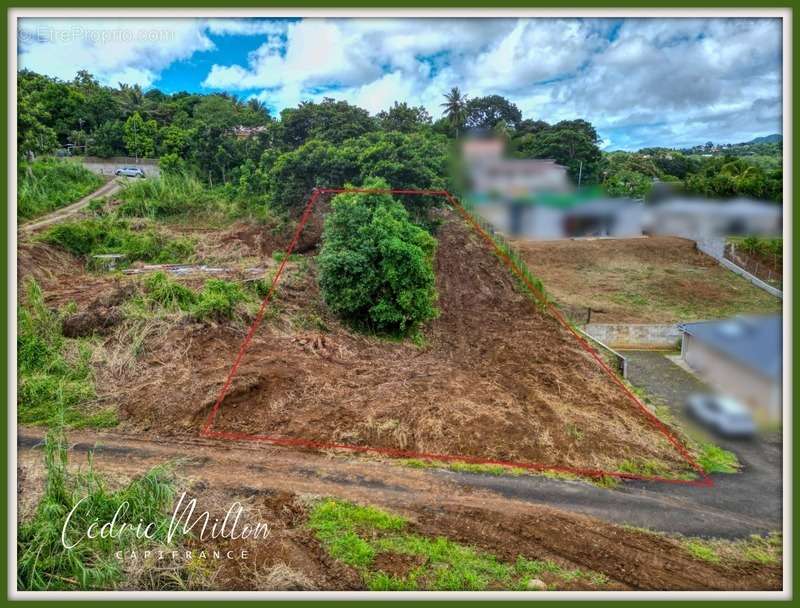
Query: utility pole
<point x="580" y="173"/>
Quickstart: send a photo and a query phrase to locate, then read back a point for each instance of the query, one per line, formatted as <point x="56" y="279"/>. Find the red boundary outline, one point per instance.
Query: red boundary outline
<point x="208" y="431"/>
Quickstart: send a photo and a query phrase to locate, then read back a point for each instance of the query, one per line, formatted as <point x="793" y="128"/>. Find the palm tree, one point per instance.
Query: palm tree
<point x="132" y="97"/>
<point x="455" y="108"/>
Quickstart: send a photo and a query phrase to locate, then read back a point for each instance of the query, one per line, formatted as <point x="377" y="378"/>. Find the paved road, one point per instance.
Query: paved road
<point x="59" y="215"/>
<point x="754" y="492"/>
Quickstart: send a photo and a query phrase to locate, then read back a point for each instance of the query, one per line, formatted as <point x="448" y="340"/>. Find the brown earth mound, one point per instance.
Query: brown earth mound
<point x="498" y="378"/>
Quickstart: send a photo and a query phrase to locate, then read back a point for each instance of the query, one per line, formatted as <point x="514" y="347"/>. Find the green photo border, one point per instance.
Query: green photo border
<point x="10" y="222"/>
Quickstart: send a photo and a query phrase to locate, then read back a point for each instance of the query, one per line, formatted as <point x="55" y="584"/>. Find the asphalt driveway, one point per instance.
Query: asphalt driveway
<point x="756" y="491"/>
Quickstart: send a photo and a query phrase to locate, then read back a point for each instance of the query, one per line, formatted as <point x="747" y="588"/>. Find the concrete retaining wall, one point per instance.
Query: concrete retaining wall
<point x="715" y="247"/>
<point x="611" y="356"/>
<point x="621" y="335"/>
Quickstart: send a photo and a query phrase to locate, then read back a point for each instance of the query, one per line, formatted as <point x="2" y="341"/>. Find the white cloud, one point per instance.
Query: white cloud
<point x="133" y="51"/>
<point x="640" y="81"/>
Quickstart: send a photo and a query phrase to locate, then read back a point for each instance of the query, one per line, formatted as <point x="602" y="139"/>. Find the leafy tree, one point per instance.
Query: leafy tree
<point x="404" y="118"/>
<point x="376" y="266"/>
<point x="528" y="126"/>
<point x="572" y="144"/>
<point x="140" y="136"/>
<point x="628" y="183"/>
<point x="315" y="163"/>
<point x="487" y="112"/>
<point x="108" y="139"/>
<point x="33" y="135"/>
<point x="330" y="120"/>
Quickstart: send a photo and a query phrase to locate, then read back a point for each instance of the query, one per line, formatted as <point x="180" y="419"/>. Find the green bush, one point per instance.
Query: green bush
<point x="46" y="185"/>
<point x="376" y="267"/>
<point x="108" y="235"/>
<point x="168" y="293"/>
<point x="217" y="300"/>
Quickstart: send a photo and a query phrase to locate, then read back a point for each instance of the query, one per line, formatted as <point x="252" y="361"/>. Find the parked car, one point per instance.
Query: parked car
<point x="129" y="172"/>
<point x="722" y="414"/>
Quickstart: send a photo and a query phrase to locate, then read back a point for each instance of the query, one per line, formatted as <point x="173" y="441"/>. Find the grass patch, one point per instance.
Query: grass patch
<point x="359" y="535"/>
<point x="49" y="184"/>
<point x="714" y="459"/>
<point x="702" y="551"/>
<point x="45" y="564"/>
<point x="54" y="374"/>
<point x="96" y="236"/>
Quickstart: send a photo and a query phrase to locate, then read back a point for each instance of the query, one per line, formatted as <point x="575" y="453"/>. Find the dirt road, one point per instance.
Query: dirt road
<point x="709" y="512"/>
<point x="59" y="215"/>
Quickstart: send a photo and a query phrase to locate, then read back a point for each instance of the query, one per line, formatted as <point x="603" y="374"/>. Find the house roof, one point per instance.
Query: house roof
<point x="754" y="341"/>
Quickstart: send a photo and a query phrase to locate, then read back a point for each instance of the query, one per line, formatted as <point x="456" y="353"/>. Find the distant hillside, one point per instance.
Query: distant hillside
<point x="767" y="139"/>
<point x="766" y="145"/>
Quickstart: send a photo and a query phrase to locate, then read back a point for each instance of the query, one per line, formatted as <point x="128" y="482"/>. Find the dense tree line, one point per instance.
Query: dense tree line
<point x="225" y="141"/>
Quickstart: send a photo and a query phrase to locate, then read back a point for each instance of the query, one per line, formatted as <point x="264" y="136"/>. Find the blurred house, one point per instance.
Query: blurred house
<point x="570" y="215"/>
<point x="700" y="218"/>
<point x="535" y="198"/>
<point x="491" y="172"/>
<point x="742" y="357"/>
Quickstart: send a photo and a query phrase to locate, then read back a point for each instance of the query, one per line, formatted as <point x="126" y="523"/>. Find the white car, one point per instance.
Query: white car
<point x="722" y="414"/>
<point x="129" y="172"/>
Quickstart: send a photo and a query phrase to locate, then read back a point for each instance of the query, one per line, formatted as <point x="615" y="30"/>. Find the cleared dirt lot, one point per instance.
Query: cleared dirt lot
<point x="496" y="378"/>
<point x="641" y="280"/>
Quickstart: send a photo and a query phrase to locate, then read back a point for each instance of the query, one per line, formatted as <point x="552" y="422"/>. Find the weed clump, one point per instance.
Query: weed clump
<point x="217" y="300"/>
<point x="54" y="374"/>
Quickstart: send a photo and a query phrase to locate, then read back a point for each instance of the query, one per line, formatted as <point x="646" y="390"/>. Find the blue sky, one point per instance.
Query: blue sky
<point x="641" y="82"/>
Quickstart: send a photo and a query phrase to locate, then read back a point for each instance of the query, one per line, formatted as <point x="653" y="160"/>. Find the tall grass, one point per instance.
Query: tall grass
<point x="45" y="564"/>
<point x="109" y="235"/>
<point x="54" y="374"/>
<point x="167" y="196"/>
<point x="48" y="184"/>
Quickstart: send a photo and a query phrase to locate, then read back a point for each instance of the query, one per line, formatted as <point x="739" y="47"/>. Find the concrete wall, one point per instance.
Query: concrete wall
<point x="107" y="166"/>
<point x="638" y="335"/>
<point x="608" y="354"/>
<point x="732" y="378"/>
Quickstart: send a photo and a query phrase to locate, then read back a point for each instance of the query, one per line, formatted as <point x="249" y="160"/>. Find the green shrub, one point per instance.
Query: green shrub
<point x="108" y="235"/>
<point x="376" y="267"/>
<point x="217" y="300"/>
<point x="44" y="563"/>
<point x="48" y="184"/>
